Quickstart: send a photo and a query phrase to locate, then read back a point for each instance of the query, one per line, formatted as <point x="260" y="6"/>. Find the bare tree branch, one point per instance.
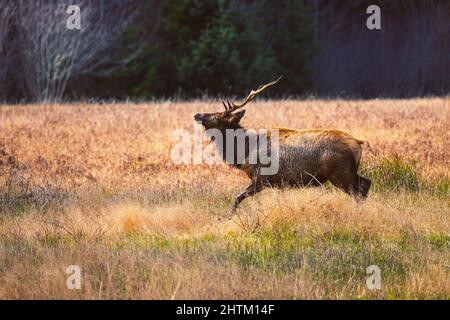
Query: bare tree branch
<point x="52" y="54"/>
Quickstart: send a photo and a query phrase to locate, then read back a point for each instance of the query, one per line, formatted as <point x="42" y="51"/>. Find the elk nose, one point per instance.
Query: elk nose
<point x="198" y="117"/>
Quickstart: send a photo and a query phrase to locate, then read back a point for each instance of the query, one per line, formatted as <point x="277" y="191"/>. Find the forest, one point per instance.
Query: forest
<point x="184" y="49"/>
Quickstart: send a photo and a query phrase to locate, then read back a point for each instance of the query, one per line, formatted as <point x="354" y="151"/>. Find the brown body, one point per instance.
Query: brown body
<point x="305" y="157"/>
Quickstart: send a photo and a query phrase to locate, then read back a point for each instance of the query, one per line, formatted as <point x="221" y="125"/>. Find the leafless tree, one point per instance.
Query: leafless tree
<point x="53" y="53"/>
<point x="7" y="9"/>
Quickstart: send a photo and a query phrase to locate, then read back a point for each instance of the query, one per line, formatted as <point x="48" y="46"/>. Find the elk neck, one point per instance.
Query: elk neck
<point x="230" y="139"/>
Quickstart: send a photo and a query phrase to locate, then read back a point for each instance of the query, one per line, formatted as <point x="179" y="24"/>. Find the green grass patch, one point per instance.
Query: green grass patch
<point x="141" y="240"/>
<point x="56" y="240"/>
<point x="338" y="256"/>
<point x="440" y="186"/>
<point x="396" y="174"/>
<point x="393" y="174"/>
<point x="439" y="241"/>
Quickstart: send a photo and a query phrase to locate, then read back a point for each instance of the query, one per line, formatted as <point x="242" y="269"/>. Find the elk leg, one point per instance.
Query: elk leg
<point x="346" y="182"/>
<point x="363" y="186"/>
<point x="253" y="188"/>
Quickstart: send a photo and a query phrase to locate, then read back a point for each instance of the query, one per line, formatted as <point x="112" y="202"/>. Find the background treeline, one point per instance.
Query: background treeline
<point x="190" y="48"/>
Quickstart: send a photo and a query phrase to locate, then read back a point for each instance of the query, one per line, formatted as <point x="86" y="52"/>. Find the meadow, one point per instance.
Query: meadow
<point x="93" y="185"/>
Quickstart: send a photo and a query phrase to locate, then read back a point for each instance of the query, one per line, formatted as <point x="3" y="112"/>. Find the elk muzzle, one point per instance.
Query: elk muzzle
<point x="202" y="117"/>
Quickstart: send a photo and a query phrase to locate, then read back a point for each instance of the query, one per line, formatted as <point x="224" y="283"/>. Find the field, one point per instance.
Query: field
<point x="93" y="185"/>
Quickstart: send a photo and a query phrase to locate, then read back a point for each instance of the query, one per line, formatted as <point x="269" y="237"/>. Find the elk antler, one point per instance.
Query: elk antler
<point x="230" y="106"/>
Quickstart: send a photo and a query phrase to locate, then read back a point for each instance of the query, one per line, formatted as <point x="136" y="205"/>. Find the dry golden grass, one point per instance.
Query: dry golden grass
<point x="94" y="186"/>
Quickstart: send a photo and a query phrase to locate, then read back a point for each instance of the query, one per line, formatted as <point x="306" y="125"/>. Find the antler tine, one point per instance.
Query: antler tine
<point x="252" y="95"/>
<point x="226" y="108"/>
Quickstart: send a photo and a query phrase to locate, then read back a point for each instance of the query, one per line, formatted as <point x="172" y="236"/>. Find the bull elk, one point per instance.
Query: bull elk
<point x="306" y="157"/>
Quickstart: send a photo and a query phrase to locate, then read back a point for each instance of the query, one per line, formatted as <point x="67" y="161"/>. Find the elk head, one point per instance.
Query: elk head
<point x="228" y="119"/>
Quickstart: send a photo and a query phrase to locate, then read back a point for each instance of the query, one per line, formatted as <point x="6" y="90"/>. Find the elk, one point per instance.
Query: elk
<point x="307" y="157"/>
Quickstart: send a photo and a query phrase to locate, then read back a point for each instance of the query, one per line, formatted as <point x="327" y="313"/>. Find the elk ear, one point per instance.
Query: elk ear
<point x="237" y="116"/>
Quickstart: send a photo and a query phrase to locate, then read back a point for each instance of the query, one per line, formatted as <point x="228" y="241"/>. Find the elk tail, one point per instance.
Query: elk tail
<point x="365" y="144"/>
